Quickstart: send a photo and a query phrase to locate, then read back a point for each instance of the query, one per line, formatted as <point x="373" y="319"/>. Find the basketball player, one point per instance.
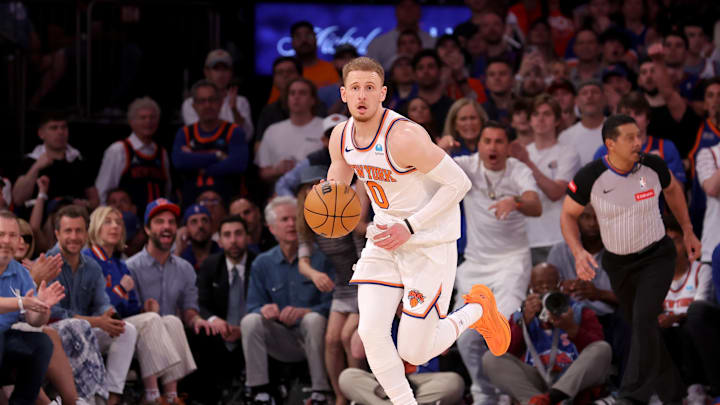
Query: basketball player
<point x="410" y="255"/>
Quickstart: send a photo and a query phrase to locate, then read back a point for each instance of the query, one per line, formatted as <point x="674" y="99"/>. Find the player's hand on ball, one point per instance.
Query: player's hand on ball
<point x="393" y="237"/>
<point x="585" y="265"/>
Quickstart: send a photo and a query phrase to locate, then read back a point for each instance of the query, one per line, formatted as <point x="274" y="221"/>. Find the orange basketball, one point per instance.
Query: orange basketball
<point x="332" y="209"/>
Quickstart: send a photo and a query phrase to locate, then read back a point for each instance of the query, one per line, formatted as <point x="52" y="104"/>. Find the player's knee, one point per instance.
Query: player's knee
<point x="413" y="354"/>
<point x="333" y="338"/>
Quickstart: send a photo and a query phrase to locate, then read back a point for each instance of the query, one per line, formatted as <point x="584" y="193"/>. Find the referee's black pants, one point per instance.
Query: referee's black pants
<point x="641" y="282"/>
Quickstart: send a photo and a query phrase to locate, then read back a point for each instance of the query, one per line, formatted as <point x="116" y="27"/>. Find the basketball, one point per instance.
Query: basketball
<point x="332" y="209"/>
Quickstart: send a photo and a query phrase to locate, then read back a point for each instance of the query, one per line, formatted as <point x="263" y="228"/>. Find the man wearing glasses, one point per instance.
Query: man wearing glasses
<point x="211" y="152"/>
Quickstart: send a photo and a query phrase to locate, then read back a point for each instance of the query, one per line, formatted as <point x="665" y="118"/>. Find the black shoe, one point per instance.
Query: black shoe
<point x="317" y="398"/>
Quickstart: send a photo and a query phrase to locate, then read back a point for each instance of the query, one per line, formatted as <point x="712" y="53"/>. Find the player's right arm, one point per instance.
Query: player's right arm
<point x="339" y="170"/>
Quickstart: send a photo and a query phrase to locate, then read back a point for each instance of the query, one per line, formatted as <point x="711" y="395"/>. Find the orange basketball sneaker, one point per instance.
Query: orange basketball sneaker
<point x="492" y="325"/>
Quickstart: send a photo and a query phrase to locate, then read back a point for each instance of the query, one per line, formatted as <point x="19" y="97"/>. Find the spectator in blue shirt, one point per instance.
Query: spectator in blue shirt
<point x="86" y="299"/>
<point x="162" y="347"/>
<point x="209" y="152"/>
<point x="635" y="105"/>
<point x="28" y="352"/>
<point x="287" y="314"/>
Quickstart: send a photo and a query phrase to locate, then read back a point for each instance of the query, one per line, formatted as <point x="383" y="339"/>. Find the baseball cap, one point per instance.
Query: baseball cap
<point x="158" y="206"/>
<point x="333" y="119"/>
<point x="615" y="70"/>
<point x="193" y="210"/>
<point x="312" y="174"/>
<point x="561" y="84"/>
<point x="218" y="56"/>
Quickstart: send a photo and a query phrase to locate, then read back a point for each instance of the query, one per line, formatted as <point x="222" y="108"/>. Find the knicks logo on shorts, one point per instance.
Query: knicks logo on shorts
<point x="415" y="297"/>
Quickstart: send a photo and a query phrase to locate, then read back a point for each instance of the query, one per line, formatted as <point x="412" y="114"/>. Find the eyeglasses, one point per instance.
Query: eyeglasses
<point x="27" y="238"/>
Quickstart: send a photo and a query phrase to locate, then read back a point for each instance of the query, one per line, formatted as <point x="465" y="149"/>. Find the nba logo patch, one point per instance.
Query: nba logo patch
<point x="415" y="297"/>
<point x="643" y="182"/>
<point x="378" y="148"/>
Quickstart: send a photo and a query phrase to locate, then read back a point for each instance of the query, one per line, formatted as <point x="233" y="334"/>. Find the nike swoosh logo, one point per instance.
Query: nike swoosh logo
<point x="348" y="150"/>
<point x="607" y="191"/>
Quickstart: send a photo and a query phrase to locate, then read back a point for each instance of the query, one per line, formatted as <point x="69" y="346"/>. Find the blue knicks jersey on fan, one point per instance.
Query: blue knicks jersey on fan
<point x="395" y="192"/>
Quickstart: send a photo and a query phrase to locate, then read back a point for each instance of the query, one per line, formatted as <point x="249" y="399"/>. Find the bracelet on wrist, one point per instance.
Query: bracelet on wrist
<point x="42" y="196"/>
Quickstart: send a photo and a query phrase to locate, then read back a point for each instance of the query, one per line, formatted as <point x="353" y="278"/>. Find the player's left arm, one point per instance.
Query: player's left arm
<point x="411" y="146"/>
<point x="675" y="198"/>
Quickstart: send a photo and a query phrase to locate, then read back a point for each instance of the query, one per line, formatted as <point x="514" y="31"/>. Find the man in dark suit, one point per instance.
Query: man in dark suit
<point x="222" y="287"/>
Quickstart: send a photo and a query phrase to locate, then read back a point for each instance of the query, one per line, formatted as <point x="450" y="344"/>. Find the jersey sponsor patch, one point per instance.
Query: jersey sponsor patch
<point x="644" y="195"/>
<point x="572" y="186"/>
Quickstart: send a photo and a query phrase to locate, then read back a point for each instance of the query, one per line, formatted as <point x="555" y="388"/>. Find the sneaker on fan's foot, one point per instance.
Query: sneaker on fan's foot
<point x="492" y="324"/>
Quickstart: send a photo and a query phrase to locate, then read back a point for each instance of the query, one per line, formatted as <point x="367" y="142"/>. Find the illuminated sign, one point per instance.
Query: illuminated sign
<point x="337" y="24"/>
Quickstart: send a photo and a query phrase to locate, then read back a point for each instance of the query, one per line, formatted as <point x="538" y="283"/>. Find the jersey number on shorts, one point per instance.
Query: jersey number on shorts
<point x="378" y="194"/>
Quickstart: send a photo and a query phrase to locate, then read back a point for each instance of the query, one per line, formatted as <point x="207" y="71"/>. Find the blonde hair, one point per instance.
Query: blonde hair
<point x="25" y="228"/>
<point x="450" y="128"/>
<point x="97" y="219"/>
<point x="363" y="64"/>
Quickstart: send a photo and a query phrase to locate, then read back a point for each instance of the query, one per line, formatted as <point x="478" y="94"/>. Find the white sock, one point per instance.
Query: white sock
<point x="152" y="394"/>
<point x="465" y="316"/>
<point x="171" y="396"/>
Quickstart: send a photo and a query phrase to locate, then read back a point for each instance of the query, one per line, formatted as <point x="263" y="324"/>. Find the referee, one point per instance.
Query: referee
<point x="624" y="187"/>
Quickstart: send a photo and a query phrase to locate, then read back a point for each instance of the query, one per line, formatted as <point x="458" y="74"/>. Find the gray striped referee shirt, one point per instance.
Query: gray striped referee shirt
<point x="626" y="203"/>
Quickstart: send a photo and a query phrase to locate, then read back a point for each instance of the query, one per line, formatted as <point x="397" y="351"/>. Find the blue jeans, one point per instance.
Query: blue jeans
<point x="29" y="354"/>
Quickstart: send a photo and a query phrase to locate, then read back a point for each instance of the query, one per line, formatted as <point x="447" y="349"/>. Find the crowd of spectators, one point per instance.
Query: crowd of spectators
<point x="194" y="269"/>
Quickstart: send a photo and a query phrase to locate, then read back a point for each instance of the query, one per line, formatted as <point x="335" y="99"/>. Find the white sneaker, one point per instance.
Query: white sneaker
<point x="696" y="395"/>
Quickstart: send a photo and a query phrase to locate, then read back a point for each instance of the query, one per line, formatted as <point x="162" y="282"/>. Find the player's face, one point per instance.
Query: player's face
<point x="493" y="148"/>
<point x="467" y="123"/>
<point x="627" y="145"/>
<point x="284" y="226"/>
<point x="543" y="120"/>
<point x="364" y="93"/>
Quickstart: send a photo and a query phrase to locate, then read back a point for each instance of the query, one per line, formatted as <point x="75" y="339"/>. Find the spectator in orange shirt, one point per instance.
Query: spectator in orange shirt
<point x="321" y="73"/>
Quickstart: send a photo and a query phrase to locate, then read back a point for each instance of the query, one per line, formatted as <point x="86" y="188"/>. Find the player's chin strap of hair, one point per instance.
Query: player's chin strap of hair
<point x="454" y="185"/>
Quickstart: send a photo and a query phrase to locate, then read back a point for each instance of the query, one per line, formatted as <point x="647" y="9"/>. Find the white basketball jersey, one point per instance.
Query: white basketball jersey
<point x="684" y="291"/>
<point x="396" y="192"/>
